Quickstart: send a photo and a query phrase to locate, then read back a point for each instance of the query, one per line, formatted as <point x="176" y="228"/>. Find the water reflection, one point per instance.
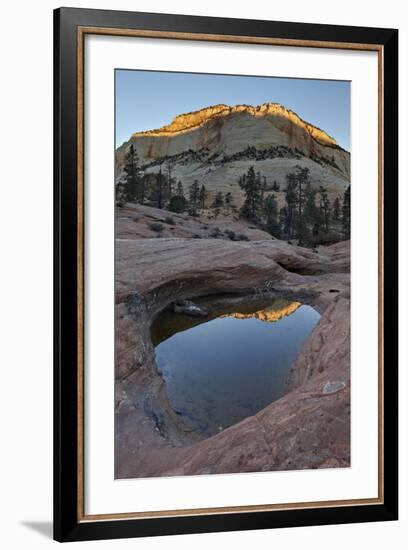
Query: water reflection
<point x="228" y="366"/>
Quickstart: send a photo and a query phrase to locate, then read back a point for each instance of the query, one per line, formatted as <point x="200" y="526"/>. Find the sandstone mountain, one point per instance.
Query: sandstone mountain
<point x="217" y="144"/>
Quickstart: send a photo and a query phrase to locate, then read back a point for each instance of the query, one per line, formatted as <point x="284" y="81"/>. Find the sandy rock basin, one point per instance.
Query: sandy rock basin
<point x="306" y="428"/>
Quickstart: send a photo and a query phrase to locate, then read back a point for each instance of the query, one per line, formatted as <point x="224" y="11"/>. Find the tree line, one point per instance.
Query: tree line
<point x="162" y="191"/>
<point x="307" y="215"/>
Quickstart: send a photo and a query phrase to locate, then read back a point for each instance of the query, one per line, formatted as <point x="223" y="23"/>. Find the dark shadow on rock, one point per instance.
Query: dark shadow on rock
<point x="42" y="527"/>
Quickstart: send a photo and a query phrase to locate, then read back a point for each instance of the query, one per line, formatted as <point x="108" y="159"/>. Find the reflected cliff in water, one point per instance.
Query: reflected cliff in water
<point x="277" y="311"/>
<point x="230" y="364"/>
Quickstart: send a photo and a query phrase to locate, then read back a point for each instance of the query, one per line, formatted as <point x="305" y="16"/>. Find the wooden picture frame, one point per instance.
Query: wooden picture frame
<point x="70" y="27"/>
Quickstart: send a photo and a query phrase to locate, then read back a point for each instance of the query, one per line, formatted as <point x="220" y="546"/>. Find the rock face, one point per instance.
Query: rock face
<point x="307" y="428"/>
<point x="211" y="145"/>
<point x="187" y="122"/>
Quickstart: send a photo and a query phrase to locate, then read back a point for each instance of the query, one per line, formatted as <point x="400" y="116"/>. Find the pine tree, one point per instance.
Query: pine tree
<point x="283" y="216"/>
<point x="290" y="197"/>
<point x="170" y="180"/>
<point x="251" y="184"/>
<point x="271" y="214"/>
<point x="202" y="197"/>
<point x="194" y="193"/>
<point x="324" y="207"/>
<point x="263" y="188"/>
<point x="336" y="209"/>
<point x="345" y="213"/>
<point x="310" y="212"/>
<point x="179" y="189"/>
<point x="133" y="185"/>
<point x="218" y="201"/>
<point x="302" y="176"/>
<point x="296" y="195"/>
<point x="229" y="201"/>
<point x="142" y="189"/>
<point x="160" y="189"/>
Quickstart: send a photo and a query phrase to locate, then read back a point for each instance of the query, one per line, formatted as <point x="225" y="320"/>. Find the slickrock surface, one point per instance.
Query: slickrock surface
<point x="135" y="222"/>
<point x="307" y="428"/>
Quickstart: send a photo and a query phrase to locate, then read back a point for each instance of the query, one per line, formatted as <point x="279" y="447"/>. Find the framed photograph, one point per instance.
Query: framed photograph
<point x="225" y="274"/>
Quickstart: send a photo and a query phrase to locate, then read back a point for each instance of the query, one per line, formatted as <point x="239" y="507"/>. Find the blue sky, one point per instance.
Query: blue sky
<point x="150" y="99"/>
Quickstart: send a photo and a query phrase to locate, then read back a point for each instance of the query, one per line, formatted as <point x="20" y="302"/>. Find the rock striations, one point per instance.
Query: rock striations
<point x="195" y="119"/>
<point x="217" y="144"/>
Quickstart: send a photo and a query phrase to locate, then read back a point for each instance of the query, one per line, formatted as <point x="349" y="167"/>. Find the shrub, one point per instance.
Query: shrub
<point x="156" y="226"/>
<point x="215" y="233"/>
<point x="230" y="234"/>
<point x="242" y="237"/>
<point x="169" y="220"/>
<point x="177" y="204"/>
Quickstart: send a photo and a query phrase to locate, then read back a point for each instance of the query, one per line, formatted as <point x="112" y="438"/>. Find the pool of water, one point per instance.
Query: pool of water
<point x="232" y="363"/>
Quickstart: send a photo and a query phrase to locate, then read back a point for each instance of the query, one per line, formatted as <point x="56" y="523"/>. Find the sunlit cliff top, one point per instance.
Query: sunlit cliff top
<point x="189" y="121"/>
